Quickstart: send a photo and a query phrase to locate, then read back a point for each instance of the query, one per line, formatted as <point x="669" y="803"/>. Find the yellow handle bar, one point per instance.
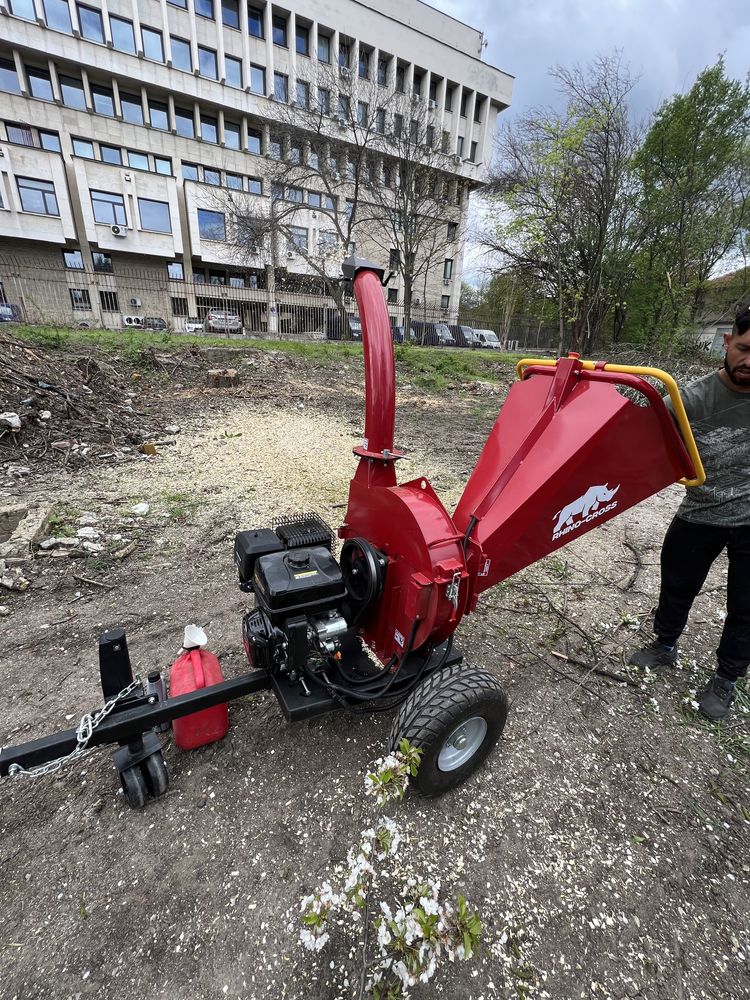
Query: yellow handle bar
<point x="670" y="385"/>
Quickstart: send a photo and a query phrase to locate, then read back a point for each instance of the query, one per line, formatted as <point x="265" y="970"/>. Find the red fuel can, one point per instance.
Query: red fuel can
<point x="196" y="669"/>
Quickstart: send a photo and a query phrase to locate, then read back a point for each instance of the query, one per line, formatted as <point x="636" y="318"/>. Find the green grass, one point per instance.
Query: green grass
<point x="180" y="505"/>
<point x="428" y="367"/>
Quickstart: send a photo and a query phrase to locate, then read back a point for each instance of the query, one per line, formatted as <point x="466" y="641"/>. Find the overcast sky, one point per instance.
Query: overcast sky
<point x="665" y="42"/>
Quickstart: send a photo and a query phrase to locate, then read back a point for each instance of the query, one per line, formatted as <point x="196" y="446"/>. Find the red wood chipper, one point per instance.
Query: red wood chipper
<point x="576" y="443"/>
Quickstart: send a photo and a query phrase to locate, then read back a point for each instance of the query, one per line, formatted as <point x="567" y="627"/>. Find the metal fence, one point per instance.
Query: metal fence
<point x="117" y="296"/>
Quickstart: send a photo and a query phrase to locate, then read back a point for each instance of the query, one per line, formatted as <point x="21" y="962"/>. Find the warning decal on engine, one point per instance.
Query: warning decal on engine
<point x="307" y="572"/>
<point x="399" y="638"/>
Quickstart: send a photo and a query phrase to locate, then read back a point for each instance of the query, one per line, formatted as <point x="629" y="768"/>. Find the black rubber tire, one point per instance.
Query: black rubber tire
<point x="155" y="775"/>
<point x="134" y="785"/>
<point x="434" y="709"/>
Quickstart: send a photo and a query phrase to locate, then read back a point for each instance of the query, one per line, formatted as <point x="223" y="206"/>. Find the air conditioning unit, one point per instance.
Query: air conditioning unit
<point x="456" y="158"/>
<point x="446" y="282"/>
<point x="345" y="72"/>
<point x="432" y="104"/>
<point x="120" y="231"/>
<point x="135" y="302"/>
<point x="416" y="98"/>
<point x="341" y="121"/>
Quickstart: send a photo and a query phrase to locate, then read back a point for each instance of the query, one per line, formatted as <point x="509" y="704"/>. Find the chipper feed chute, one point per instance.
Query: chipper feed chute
<point x="568" y="452"/>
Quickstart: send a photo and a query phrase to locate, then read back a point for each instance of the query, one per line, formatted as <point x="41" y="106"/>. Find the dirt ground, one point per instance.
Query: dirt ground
<point x="605" y="841"/>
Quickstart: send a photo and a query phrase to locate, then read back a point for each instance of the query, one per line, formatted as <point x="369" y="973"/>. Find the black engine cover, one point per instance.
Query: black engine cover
<point x="306" y="581"/>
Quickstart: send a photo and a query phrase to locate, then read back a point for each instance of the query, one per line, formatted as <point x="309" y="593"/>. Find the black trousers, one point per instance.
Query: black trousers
<point x="687" y="555"/>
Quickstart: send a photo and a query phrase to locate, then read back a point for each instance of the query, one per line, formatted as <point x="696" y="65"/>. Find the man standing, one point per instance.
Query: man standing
<point x="711" y="518"/>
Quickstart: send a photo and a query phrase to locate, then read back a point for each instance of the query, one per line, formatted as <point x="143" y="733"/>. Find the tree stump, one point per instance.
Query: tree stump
<point x="222" y="378"/>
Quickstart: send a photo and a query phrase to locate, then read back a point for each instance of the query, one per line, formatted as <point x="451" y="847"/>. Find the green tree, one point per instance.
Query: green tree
<point x="694" y="168"/>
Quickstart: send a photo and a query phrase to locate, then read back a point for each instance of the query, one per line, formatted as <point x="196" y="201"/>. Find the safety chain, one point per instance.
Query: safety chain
<point x="84" y="732"/>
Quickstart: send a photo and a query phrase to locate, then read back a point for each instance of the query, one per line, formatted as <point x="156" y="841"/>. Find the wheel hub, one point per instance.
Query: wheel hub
<point x="462" y="743"/>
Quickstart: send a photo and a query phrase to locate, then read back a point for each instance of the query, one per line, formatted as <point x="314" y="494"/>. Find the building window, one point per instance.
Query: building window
<point x="139" y="161"/>
<point x="73" y="260"/>
<point x="79" y="299"/>
<point x="478" y="110"/>
<point x="109" y="209"/>
<point x="255" y="22"/>
<point x="452" y="230"/>
<point x="398" y="126"/>
<point x="279" y="30"/>
<point x="92" y="26"/>
<point x="57" y="14"/>
<point x="184" y="123"/>
<point x="9" y="77"/>
<point x="102" y="262"/>
<point x="392" y="296"/>
<point x="324" y="101"/>
<point x="343" y="54"/>
<point x="209" y="129"/>
<point x="382" y="70"/>
<point x="473" y="152"/>
<point x="108" y="301"/>
<point x="132" y="109"/>
<point x="313" y="199"/>
<point x="163" y="165"/>
<point x="328" y="202"/>
<point x="394" y="260"/>
<point x="281" y="86"/>
<point x="344" y="108"/>
<point x="217" y="277"/>
<point x="364" y="64"/>
<point x="257" y="79"/>
<point x="298" y="237"/>
<point x="212" y="177"/>
<point x="445" y="301"/>
<point x="37" y="196"/>
<point x="274" y="147"/>
<point x="417" y="84"/>
<point x="295" y="153"/>
<point x="460" y="145"/>
<point x="211" y="225"/>
<point x="234" y="71"/>
<point x="190" y="171"/>
<point x="205" y="8"/>
<point x="413" y="131"/>
<point x="178" y="3"/>
<point x="363" y="112"/>
<point x="84" y="148"/>
<point x="295" y="194"/>
<point x="230" y="13"/>
<point x="430" y="137"/>
<point x="175" y="270"/>
<point x="154" y="215"/>
<point x="179" y="307"/>
<point x="303" y="94"/>
<point x="254" y="141"/>
<point x="232" y="135"/>
<point x="464" y="102"/>
<point x="400" y="79"/>
<point x="153" y="47"/>
<point x="110" y="154"/>
<point x="324" y="48"/>
<point x="207" y="62"/>
<point x="380" y="121"/>
<point x="159" y="115"/>
<point x="40" y="84"/>
<point x="277" y="192"/>
<point x="449" y="98"/>
<point x="24" y="9"/>
<point x="447" y="269"/>
<point x="181" y="55"/>
<point x="123" y="37"/>
<point x="234" y="181"/>
<point x="49" y="140"/>
<point x="72" y="93"/>
<point x="302" y="39"/>
<point x="254" y="185"/>
<point x="104" y="101"/>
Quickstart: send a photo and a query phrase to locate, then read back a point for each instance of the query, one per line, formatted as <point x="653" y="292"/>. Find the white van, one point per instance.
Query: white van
<point x="486" y="338"/>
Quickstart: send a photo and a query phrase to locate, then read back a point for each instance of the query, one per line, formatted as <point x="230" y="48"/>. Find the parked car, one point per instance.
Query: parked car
<point x="488" y="338"/>
<point x="397" y="332"/>
<point x="335" y="329"/>
<point x="222" y="321"/>
<point x="153" y="323"/>
<point x="193" y="324"/>
<point x="434" y="334"/>
<point x="10" y="313"/>
<point x="464" y="336"/>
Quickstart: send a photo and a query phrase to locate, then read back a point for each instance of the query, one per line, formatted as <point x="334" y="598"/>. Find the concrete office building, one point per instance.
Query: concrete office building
<point x="120" y="120"/>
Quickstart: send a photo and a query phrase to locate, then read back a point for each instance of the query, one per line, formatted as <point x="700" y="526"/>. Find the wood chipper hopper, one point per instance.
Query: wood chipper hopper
<point x="576" y="443"/>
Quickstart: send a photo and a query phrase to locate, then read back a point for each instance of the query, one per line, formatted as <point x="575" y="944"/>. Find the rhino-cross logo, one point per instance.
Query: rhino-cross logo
<point x="597" y="500"/>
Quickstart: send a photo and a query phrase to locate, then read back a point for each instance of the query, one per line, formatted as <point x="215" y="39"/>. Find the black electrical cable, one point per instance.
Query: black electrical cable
<point x="400" y="696"/>
<point x="365" y="695"/>
<point x="473" y="521"/>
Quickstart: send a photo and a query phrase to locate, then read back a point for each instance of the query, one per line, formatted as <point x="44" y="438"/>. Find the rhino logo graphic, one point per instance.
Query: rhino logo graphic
<point x="584" y="508"/>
